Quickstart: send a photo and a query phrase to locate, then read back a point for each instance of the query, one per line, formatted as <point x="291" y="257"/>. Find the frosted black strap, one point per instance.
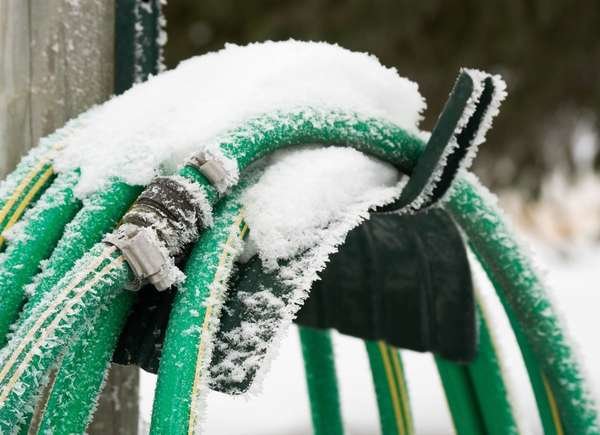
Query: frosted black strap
<point x="448" y="147"/>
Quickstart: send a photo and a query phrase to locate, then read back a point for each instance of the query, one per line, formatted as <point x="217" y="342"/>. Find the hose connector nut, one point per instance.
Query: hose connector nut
<point x="146" y="256"/>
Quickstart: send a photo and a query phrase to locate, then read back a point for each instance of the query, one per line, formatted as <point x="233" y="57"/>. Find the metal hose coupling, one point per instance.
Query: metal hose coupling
<point x="163" y="221"/>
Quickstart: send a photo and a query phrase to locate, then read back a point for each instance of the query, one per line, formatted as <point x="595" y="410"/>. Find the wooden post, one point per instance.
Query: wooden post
<point x="57" y="60"/>
<point x="15" y="121"/>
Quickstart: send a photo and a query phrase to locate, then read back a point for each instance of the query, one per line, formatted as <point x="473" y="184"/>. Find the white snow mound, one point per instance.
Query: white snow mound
<point x="308" y="199"/>
<point x="299" y="212"/>
<point x="151" y="128"/>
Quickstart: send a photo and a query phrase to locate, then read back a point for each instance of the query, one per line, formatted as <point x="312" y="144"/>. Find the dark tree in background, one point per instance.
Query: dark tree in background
<point x="548" y="51"/>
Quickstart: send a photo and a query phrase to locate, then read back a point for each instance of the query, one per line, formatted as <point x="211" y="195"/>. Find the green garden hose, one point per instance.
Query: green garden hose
<point x="100" y="214"/>
<point x="461" y="398"/>
<point x="181" y="377"/>
<point x="24" y="185"/>
<point x="485" y="401"/>
<point x="42" y="228"/>
<point x="321" y="380"/>
<point x="82" y="372"/>
<point x="36" y="346"/>
<point x="486" y="376"/>
<point x="518" y="287"/>
<point x="87" y="357"/>
<point x="525" y="299"/>
<point x="544" y="396"/>
<point x="41" y="235"/>
<point x="390" y="388"/>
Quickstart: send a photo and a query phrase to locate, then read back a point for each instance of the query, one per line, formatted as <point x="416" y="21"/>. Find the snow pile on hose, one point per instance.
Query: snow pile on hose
<point x="151" y="128"/>
<point x="308" y="199"/>
<point x="299" y="212"/>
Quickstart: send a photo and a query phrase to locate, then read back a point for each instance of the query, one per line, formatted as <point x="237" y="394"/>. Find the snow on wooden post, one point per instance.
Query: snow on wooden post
<point x="57" y="60"/>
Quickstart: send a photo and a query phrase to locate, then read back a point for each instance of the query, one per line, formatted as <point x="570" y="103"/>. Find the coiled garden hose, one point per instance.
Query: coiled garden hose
<point x="43" y="227"/>
<point x="524" y="297"/>
<point x="100" y="214"/>
<point x="46" y="230"/>
<point x="34" y="350"/>
<point x="476" y="221"/>
<point x="79" y="296"/>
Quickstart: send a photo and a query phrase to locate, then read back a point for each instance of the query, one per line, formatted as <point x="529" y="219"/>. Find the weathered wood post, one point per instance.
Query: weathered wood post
<point x="57" y="60"/>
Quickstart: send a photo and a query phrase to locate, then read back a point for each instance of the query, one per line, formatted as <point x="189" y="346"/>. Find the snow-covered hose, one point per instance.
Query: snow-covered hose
<point x="526" y="301"/>
<point x="261" y="136"/>
<point x="82" y="372"/>
<point x="93" y="284"/>
<point x="390" y="389"/>
<point x="100" y="214"/>
<point x="24" y="185"/>
<point x="321" y="380"/>
<point x="258" y="137"/>
<point x="182" y="384"/>
<point x="87" y="357"/>
<point x="41" y="229"/>
<point x="477" y="215"/>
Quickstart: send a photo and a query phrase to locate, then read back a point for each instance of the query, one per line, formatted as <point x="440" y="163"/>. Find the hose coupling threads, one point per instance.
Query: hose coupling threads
<point x="161" y="224"/>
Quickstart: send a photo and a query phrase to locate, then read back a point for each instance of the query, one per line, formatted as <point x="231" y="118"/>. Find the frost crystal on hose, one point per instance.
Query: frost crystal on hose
<point x="299" y="212"/>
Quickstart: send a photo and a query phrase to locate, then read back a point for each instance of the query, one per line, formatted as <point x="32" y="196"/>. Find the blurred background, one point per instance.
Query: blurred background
<point x="548" y="52"/>
<point x="542" y="156"/>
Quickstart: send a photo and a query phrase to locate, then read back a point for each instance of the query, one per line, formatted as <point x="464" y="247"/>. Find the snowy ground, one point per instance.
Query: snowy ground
<point x="282" y="407"/>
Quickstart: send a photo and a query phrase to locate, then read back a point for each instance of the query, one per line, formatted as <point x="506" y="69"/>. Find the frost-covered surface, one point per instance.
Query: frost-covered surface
<point x="509" y="261"/>
<point x="152" y="127"/>
<point x="478" y="79"/>
<point x="143" y="11"/>
<point x="229" y="248"/>
<point x="284" y="391"/>
<point x="311" y="197"/>
<point x="298" y="212"/>
<point x="571" y="273"/>
<point x="33" y="348"/>
<point x="243" y="347"/>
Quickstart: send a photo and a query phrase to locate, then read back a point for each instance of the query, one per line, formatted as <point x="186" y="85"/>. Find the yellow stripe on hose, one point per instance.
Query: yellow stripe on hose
<point x="54" y="324"/>
<point x="25" y="202"/>
<point x="244" y="231"/>
<point x="392" y="387"/>
<point x="25" y="182"/>
<point x="59" y="298"/>
<point x="553" y="407"/>
<point x="236" y="233"/>
<point x="401" y="380"/>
